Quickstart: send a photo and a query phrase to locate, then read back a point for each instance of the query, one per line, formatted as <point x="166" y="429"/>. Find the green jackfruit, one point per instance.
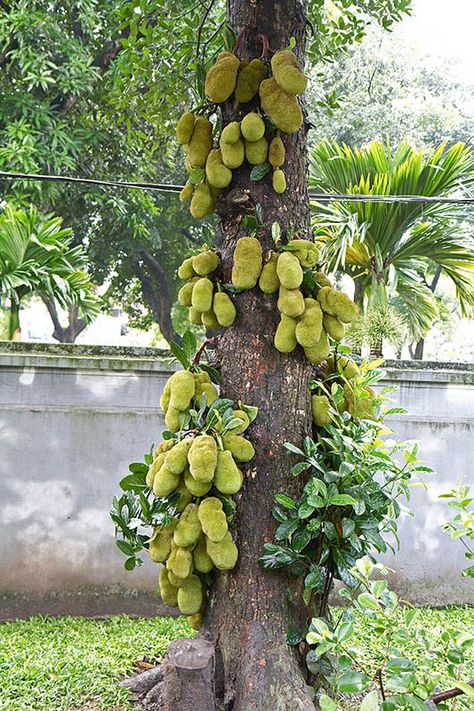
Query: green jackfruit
<point x="190" y="596"/>
<point x="290" y="302"/>
<point x="224" y="553"/>
<point x="165" y="482"/>
<point x="186" y="270"/>
<point x="308" y="330"/>
<point x="180" y="561"/>
<point x="212" y="518"/>
<point x="202" y="562"/>
<point x="289" y="271"/>
<point x="185" y="496"/>
<point x="241" y="415"/>
<point x="321" y="279"/>
<point x="209" y="320"/>
<point x="207" y="389"/>
<point x="202" y="202"/>
<point x="334" y="327"/>
<point x="165" y="396"/>
<point x="185" y="128"/>
<point x="323" y="294"/>
<point x="172" y="419"/>
<point x="186" y="192"/>
<point x="233" y="154"/>
<point x="317" y="353"/>
<point x="248" y="80"/>
<point x="252" y="127"/>
<point x="175" y="580"/>
<point x="343" y="364"/>
<point x="242" y="450"/>
<point x="202" y="458"/>
<point x="231" y="133"/>
<point x="168" y="592"/>
<point x="256" y="152"/>
<point x="205" y="262"/>
<point x="320" y="407"/>
<point x="159" y="547"/>
<point x="279" y="181"/>
<point x="201" y="142"/>
<point x="224" y="309"/>
<point x="228" y="477"/>
<point x="194" y="316"/>
<point x="182" y="389"/>
<point x="361" y="408"/>
<point x="285" y="335"/>
<point x="269" y="281"/>
<point x="217" y="174"/>
<point x="188" y="528"/>
<point x="222" y="77"/>
<point x="202" y="295"/>
<point x="197" y="488"/>
<point x="247" y="265"/>
<point x="283" y="109"/>
<point x="177" y="458"/>
<point x="195" y="621"/>
<point x="154" y="468"/>
<point x="341" y="306"/>
<point x="164" y="447"/>
<point x="276" y="152"/>
<point x="186" y="292"/>
<point x="201" y="377"/>
<point x="287" y="72"/>
<point x="306" y="251"/>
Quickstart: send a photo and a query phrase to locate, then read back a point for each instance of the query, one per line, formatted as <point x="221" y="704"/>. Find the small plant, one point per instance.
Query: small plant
<point x="462" y="525"/>
<point x="380" y="322"/>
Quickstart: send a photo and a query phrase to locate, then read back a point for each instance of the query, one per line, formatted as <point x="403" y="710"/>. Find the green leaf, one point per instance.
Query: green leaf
<point x="125" y="547"/>
<point x="130" y="563"/>
<point x="353" y="682"/>
<point x="294" y="636"/>
<point x="316" y="578"/>
<point x="285" y="501"/>
<point x="259" y="171"/>
<point x="370" y="702"/>
<point x="325" y="702"/>
<point x="466" y="688"/>
<point x="368" y="601"/>
<point x="342" y="500"/>
<point x="134" y="482"/>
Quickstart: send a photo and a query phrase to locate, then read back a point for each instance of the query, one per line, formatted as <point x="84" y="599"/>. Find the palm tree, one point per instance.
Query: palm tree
<point x="390" y="249"/>
<point x="36" y="256"/>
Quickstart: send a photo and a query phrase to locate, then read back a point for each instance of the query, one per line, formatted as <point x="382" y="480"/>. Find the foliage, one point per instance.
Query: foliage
<point x="404" y="668"/>
<point x="380" y="322"/>
<point x="391" y="246"/>
<point x="461" y="527"/>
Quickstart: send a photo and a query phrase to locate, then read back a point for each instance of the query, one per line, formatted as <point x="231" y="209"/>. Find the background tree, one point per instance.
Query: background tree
<point x="397" y="248"/>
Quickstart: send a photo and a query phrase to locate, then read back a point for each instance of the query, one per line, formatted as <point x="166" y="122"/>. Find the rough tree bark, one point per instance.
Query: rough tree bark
<point x="64" y="334"/>
<point x="250" y="609"/>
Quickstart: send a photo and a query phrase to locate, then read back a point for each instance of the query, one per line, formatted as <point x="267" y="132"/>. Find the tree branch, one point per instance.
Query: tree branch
<point x="75" y="326"/>
<point x="157" y="293"/>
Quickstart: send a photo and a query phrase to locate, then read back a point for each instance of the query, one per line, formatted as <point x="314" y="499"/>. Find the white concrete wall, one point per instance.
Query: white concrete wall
<point x="72" y="418"/>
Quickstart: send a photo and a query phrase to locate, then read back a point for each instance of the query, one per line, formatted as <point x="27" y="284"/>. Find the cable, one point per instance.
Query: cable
<point x="315" y="196"/>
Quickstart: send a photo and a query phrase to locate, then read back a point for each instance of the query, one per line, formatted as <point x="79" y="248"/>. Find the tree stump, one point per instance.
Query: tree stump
<point x="189" y="676"/>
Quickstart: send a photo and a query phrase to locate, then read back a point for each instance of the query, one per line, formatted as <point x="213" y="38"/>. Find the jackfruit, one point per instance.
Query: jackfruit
<point x="164" y="447"/>
<point x="202" y="458"/>
<point x="276" y="152"/>
<point x="165" y="396"/>
<point x="213" y="519"/>
<point x="202" y="562"/>
<point x="186" y="292"/>
<point x="289" y="271"/>
<point x="188" y="528"/>
<point x="308" y="330"/>
<point x="320" y="407"/>
<point x="175" y="580"/>
<point x="269" y="281"/>
<point x="256" y="152"/>
<point x="287" y="72"/>
<point x="165" y="482"/>
<point x="194" y="316"/>
<point x="202" y="295"/>
<point x="247" y="264"/>
<point x="285" y="335"/>
<point x="190" y="596"/>
<point x="306" y="251"/>
<point x="279" y="181"/>
<point x="186" y="192"/>
<point x="282" y="108"/>
<point x="334" y="327"/>
<point x="317" y="353"/>
<point x="233" y="154"/>
<point x="230" y="133"/>
<point x="217" y="174"/>
<point x="168" y="592"/>
<point x="207" y="389"/>
<point x="201" y="142"/>
<point x="209" y="320"/>
<point x="182" y="389"/>
<point x="360" y="408"/>
<point x="186" y="270"/>
<point x="205" y="262"/>
<point x="224" y="553"/>
<point x="180" y="562"/>
<point x="341" y="306"/>
<point x="224" y="309"/>
<point x="155" y="467"/>
<point x="159" y="547"/>
<point x="343" y="364"/>
<point x="172" y="419"/>
<point x="248" y="80"/>
<point x="321" y="279"/>
<point x="242" y="450"/>
<point x="202" y="202"/>
<point x="185" y="128"/>
<point x="200" y="377"/>
<point x="197" y="488"/>
<point x="222" y="77"/>
<point x="177" y="458"/>
<point x="195" y="621"/>
<point x="185" y="496"/>
<point x="241" y="415"/>
<point x="252" y="127"/>
<point x="228" y="477"/>
<point x="290" y="302"/>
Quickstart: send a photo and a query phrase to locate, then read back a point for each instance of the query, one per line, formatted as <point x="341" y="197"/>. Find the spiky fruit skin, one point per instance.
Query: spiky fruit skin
<point x="159" y="547"/>
<point x="201" y="142"/>
<point x="180" y="562"/>
<point x="252" y="127"/>
<point x="202" y="295"/>
<point x="186" y="192"/>
<point x="320" y="407"/>
<point x="276" y="152"/>
<point x="209" y="320"/>
<point x="185" y="496"/>
<point x="309" y="328"/>
<point x="185" y="294"/>
<point x="177" y="457"/>
<point x="207" y="389"/>
<point x="217" y="174"/>
<point x="165" y="396"/>
<point x="240" y="429"/>
<point x="182" y="389"/>
<point x="197" y="488"/>
<point x="202" y="562"/>
<point x="228" y="477"/>
<point x="336" y="303"/>
<point x="247" y="264"/>
<point x="285" y="335"/>
<point x="241" y="448"/>
<point x="321" y="279"/>
<point x="279" y="181"/>
<point x="249" y="79"/>
<point x="269" y="282"/>
<point x="222" y="77"/>
<point x="287" y="72"/>
<point x="306" y="251"/>
<point x="290" y="302"/>
<point x="320" y="351"/>
<point x="186" y="270"/>
<point x="256" y="152"/>
<point x="343" y="364"/>
<point x="194" y="316"/>
<point x="213" y="519"/>
<point x="233" y="154"/>
<point x="289" y="271"/>
<point x="185" y="127"/>
<point x="224" y="309"/>
<point x="282" y="108"/>
<point x="334" y="327"/>
<point x="188" y="529"/>
<point x="202" y="458"/>
<point x="231" y="133"/>
<point x="224" y="554"/>
<point x="202" y="202"/>
<point x="165" y="482"/>
<point x="205" y="262"/>
<point x="168" y="592"/>
<point x="172" y="419"/>
<point x="190" y="596"/>
<point x="195" y="621"/>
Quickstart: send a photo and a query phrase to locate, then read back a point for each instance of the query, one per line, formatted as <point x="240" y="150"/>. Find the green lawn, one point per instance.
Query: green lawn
<point x="63" y="664"/>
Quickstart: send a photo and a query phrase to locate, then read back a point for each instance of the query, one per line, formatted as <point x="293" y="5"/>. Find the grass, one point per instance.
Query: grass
<point x="71" y="663"/>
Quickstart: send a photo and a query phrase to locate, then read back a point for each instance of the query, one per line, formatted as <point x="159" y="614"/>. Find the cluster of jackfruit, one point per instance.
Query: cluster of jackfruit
<point x="194" y="133"/>
<point x="207" y="304"/>
<point x="182" y="391"/>
<point x="278" y="94"/>
<point x="356" y="400"/>
<point x="229" y="75"/>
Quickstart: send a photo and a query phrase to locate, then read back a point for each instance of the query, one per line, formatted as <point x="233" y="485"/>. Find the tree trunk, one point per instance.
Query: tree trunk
<point x="417" y="353"/>
<point x="250" y="608"/>
<point x="64" y="334"/>
<point x="14" y="328"/>
<point x="156" y="292"/>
